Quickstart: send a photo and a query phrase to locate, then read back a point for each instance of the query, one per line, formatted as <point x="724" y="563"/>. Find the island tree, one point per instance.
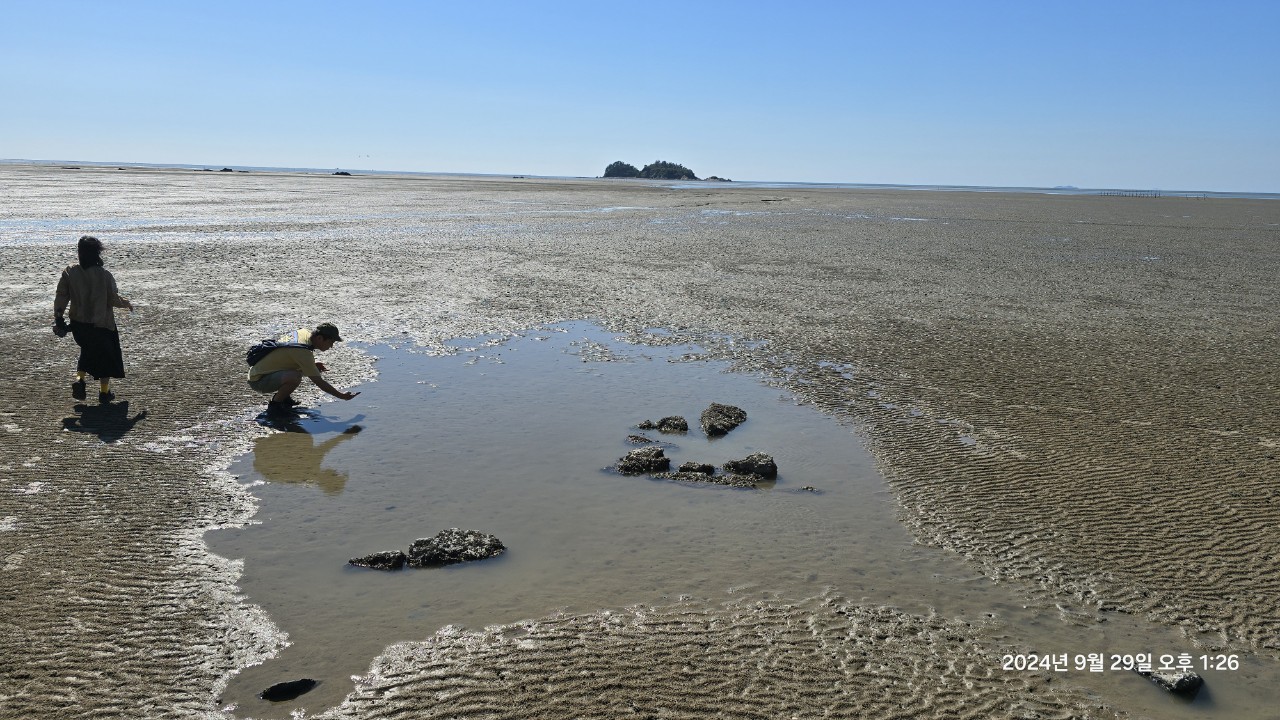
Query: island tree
<point x="663" y="170"/>
<point x="621" y="170"/>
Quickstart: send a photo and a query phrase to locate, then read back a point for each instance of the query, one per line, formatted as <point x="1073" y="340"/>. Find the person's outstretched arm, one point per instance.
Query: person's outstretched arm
<point x="325" y="386"/>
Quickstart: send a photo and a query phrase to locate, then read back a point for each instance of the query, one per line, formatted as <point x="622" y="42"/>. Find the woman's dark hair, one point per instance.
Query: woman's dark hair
<point x="90" y="250"/>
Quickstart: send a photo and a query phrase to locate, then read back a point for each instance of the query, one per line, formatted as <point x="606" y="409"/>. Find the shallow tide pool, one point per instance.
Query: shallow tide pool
<point x="515" y="437"/>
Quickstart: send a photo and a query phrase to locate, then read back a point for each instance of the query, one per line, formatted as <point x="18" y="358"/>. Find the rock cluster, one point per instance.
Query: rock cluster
<point x="446" y="547"/>
<point x="716" y="420"/>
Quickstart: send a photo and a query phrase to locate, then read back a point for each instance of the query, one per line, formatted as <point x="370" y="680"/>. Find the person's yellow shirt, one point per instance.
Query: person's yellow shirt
<point x="300" y="359"/>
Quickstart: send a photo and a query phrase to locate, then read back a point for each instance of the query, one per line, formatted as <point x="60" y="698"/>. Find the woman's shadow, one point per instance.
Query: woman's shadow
<point x="109" y="421"/>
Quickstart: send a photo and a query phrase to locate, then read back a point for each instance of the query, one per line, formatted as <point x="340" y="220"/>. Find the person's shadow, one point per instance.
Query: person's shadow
<point x="293" y="456"/>
<point x="109" y="421"/>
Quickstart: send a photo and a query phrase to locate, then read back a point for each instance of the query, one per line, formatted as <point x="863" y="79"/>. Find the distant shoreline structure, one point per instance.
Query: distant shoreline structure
<point x="674" y="184"/>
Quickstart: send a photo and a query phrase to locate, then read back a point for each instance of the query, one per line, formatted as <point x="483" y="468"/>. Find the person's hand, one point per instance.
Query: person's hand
<point x="320" y="366"/>
<point x="348" y="395"/>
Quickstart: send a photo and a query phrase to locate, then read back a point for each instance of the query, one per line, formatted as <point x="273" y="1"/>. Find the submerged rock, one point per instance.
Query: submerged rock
<point x="640" y="440"/>
<point x="669" y="424"/>
<point x="720" y="419"/>
<point x="1183" y="683"/>
<point x="386" y="560"/>
<point x="739" y="481"/>
<point x="644" y="460"/>
<point x="758" y="464"/>
<point x="452" y="546"/>
<point x="288" y="690"/>
<point x="696" y="467"/>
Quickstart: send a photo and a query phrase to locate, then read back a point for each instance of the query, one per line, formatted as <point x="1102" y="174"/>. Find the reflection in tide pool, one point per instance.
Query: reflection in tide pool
<point x="297" y="456"/>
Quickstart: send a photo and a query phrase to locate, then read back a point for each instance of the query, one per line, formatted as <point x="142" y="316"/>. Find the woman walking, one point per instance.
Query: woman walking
<point x="91" y="291"/>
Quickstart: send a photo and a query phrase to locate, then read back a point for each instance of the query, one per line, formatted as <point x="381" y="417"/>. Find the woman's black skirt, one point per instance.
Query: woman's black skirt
<point x="100" y="354"/>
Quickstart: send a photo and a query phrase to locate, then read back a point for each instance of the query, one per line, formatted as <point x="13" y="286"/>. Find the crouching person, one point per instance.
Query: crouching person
<point x="282" y="370"/>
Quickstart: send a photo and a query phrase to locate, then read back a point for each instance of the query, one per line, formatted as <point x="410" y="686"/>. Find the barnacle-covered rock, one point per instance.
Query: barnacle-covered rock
<point x="644" y="460"/>
<point x="754" y="464"/>
<point x="453" y="546"/>
<point x="720" y="419"/>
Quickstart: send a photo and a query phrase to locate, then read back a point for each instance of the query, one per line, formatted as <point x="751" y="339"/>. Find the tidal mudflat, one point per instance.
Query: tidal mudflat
<point x="1071" y="399"/>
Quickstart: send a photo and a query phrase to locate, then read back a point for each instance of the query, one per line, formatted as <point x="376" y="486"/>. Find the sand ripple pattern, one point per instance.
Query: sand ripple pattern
<point x="751" y="659"/>
<point x="1078" y="393"/>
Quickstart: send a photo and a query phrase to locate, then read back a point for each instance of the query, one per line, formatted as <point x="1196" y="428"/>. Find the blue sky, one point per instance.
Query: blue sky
<point x="1169" y="95"/>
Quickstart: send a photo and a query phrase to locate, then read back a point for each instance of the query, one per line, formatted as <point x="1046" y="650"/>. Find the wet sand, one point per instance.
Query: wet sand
<point x="1075" y="395"/>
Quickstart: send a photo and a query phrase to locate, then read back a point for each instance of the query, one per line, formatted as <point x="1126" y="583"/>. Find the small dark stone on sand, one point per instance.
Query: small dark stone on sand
<point x="694" y="467"/>
<point x="754" y="464"/>
<point x="386" y="560"/>
<point x="452" y="546"/>
<point x="644" y="460"/>
<point x="288" y="690"/>
<point x="720" y="419"/>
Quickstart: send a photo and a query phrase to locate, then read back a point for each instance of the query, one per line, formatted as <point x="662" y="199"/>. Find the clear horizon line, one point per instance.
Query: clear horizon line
<point x="853" y="184"/>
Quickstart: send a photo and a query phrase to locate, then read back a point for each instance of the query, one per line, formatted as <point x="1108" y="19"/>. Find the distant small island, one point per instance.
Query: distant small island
<point x="657" y="170"/>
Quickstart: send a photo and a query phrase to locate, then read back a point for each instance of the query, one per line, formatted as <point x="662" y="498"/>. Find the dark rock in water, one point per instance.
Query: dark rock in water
<point x="226" y="170"/>
<point x="343" y="172"/>
<point x="669" y="424"/>
<point x="673" y="424"/>
<point x="1183" y="683"/>
<point x="738" y="481"/>
<point x="387" y="560"/>
<point x="693" y="467"/>
<point x="640" y="440"/>
<point x="758" y="464"/>
<point x="453" y="546"/>
<point x="720" y="419"/>
<point x="288" y="690"/>
<point x="644" y="460"/>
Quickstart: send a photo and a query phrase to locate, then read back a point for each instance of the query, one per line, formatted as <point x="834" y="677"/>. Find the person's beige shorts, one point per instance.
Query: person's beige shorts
<point x="270" y="382"/>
